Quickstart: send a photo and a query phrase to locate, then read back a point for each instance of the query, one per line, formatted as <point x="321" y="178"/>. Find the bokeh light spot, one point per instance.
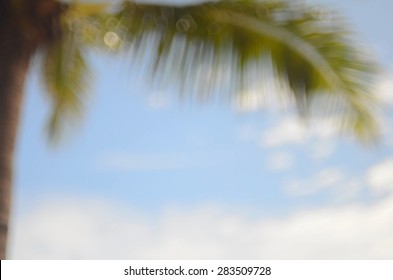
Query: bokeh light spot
<point x="112" y="40"/>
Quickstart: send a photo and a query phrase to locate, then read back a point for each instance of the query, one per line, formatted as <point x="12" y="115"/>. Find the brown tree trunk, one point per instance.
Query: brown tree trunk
<point x="24" y="26"/>
<point x="15" y="53"/>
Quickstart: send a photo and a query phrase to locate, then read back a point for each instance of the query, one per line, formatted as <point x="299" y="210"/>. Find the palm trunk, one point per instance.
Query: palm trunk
<point x="24" y="26"/>
<point x="14" y="61"/>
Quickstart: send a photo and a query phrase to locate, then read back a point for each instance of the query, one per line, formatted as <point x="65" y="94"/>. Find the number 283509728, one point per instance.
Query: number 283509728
<point x="252" y="270"/>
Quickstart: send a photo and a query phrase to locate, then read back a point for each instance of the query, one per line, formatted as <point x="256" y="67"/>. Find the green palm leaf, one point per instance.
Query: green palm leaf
<point x="65" y="74"/>
<point x="211" y="49"/>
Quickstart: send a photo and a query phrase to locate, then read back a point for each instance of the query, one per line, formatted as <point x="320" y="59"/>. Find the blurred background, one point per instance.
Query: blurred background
<point x="148" y="177"/>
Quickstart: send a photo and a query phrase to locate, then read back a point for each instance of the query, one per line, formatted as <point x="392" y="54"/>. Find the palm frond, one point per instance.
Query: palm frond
<point x="210" y="48"/>
<point x="65" y="74"/>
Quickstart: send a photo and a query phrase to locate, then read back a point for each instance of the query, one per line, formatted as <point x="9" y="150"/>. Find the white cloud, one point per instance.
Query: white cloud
<point x="137" y="161"/>
<point x="329" y="177"/>
<point x="280" y="161"/>
<point x="158" y="101"/>
<point x="325" y="128"/>
<point x="88" y="229"/>
<point x="288" y="131"/>
<point x="380" y="176"/>
<point x="348" y="190"/>
<point x="384" y="90"/>
<point x="124" y="161"/>
<point x="324" y="179"/>
<point x="322" y="149"/>
<point x="292" y="130"/>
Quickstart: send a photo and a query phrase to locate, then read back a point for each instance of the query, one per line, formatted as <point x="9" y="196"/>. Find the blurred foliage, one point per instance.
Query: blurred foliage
<point x="209" y="49"/>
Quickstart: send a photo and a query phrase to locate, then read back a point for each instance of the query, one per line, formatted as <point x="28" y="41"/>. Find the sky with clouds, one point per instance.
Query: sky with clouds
<point x="146" y="177"/>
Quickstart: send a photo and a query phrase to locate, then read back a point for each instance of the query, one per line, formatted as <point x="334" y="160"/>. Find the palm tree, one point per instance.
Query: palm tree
<point x="310" y="52"/>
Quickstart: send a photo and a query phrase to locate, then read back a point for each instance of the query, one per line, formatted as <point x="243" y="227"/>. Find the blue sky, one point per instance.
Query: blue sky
<point x="145" y="176"/>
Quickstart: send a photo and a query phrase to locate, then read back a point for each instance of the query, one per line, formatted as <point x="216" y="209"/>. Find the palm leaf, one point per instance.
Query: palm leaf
<point x="213" y="49"/>
<point x="65" y="74"/>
